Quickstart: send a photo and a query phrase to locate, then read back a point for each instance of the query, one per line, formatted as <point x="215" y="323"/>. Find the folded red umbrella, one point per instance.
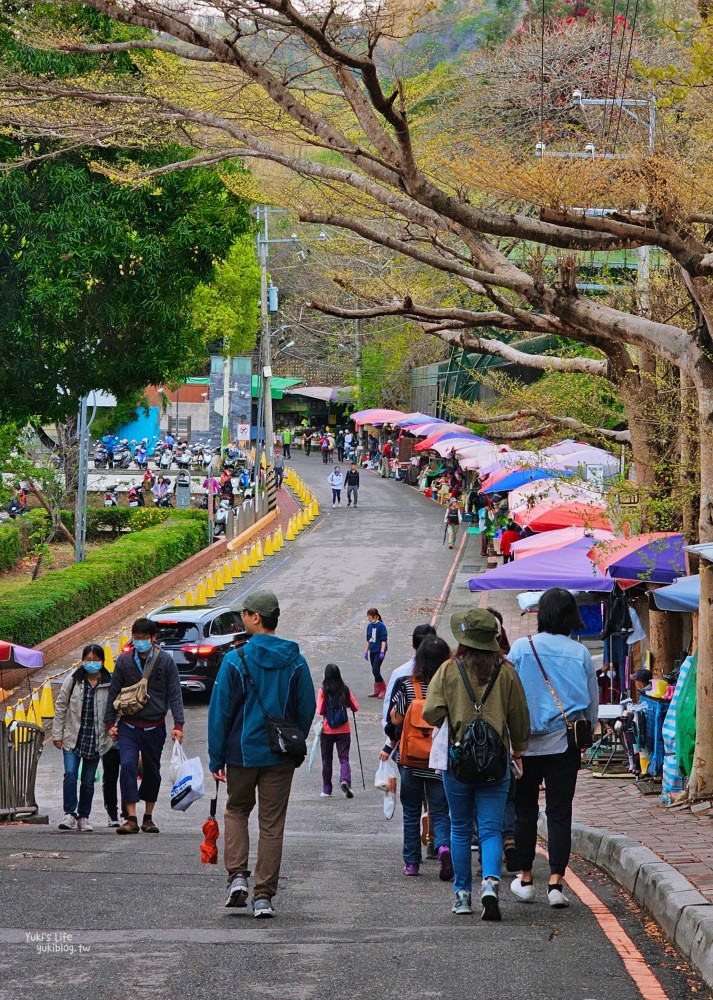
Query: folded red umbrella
<point x="211" y="832"/>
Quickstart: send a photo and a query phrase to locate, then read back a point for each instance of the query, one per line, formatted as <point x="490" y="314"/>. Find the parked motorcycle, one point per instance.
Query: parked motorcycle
<point x="16" y="508"/>
<point x="100" y="456"/>
<point x="221" y="517"/>
<point x="141" y="457"/>
<point x="110" y="497"/>
<point x="136" y="498"/>
<point x="165" y="459"/>
<point x="183" y="460"/>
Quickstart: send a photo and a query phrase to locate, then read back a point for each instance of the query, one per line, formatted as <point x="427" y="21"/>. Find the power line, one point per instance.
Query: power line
<point x="611" y="46"/>
<point x="616" y="75"/>
<point x="626" y="73"/>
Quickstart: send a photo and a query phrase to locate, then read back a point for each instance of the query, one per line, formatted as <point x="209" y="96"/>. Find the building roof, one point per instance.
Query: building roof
<point x="277" y="386"/>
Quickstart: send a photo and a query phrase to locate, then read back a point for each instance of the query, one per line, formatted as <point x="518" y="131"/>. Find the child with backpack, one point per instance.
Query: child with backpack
<point x="452" y="520"/>
<point x="334" y="701"/>
<point x="419" y="782"/>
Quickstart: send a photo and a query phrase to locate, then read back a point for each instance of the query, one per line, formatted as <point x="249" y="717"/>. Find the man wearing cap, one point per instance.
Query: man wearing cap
<point x="238" y="746"/>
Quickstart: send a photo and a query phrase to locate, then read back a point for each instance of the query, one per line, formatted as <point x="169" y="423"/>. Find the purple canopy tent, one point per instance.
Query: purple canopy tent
<point x="658" y="561"/>
<point x="569" y="567"/>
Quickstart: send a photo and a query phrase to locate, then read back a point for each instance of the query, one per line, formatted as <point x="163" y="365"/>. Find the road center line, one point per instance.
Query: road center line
<point x="447" y="585"/>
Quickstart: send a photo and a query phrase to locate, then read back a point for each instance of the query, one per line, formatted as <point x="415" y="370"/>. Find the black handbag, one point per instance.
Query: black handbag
<point x="579" y="732"/>
<point x="480" y="756"/>
<point x="284" y="738"/>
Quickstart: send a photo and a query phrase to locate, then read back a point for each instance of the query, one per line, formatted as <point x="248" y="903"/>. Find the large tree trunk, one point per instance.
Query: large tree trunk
<point x="703" y="756"/>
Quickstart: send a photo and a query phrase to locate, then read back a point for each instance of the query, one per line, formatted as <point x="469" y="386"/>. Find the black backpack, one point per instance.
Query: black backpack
<point x="336" y="711"/>
<point x="480" y="757"/>
<point x="453" y="517"/>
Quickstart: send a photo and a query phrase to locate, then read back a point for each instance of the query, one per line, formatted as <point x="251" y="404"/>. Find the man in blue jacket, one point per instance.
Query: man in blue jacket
<point x="238" y="746"/>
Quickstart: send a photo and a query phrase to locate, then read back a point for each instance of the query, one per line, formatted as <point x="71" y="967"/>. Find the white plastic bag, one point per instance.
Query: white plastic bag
<point x="317" y="730"/>
<point x="188" y="786"/>
<point x="386" y="773"/>
<point x="438" y="758"/>
<point x="177" y="758"/>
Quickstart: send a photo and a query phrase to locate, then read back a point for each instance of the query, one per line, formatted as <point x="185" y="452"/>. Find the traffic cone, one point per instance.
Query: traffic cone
<point x="8" y="715"/>
<point x="20" y="717"/>
<point x="177" y="602"/>
<point x="218" y="581"/>
<point x="34" y="714"/>
<point x="235" y="569"/>
<point x="252" y="558"/>
<point x="268" y="546"/>
<point x="227" y="575"/>
<point x="190" y="599"/>
<point x="259" y="554"/>
<point x="200" y="594"/>
<point x="308" y="514"/>
<point x="245" y="562"/>
<point x="290" y="534"/>
<point x="280" y="539"/>
<point x="123" y="639"/>
<point x="46" y="701"/>
<point x="315" y="506"/>
<point x="108" y="657"/>
<point x="300" y="523"/>
<point x="209" y="588"/>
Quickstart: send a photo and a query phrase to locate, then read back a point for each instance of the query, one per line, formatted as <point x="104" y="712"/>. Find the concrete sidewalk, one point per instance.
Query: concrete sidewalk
<point x="663" y="856"/>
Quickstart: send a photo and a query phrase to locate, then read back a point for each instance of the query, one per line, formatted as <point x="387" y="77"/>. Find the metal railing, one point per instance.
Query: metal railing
<point x="20" y="750"/>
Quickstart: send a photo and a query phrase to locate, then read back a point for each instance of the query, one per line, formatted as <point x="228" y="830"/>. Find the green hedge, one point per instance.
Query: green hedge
<point x="12" y="547"/>
<point x="63" y="597"/>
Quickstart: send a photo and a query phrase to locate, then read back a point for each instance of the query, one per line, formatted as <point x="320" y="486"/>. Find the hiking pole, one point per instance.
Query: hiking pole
<point x="445" y="532"/>
<point x="361" y="766"/>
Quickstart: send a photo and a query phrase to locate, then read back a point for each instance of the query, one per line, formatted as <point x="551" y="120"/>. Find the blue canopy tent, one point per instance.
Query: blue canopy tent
<point x="521" y="476"/>
<point x="683" y="595"/>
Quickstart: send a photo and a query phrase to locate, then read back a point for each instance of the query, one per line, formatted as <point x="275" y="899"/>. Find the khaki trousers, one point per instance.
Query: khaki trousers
<point x="273" y="794"/>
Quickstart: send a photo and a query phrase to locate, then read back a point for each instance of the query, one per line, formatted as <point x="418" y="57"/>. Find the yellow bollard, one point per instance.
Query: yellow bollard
<point x="209" y="588"/>
<point x="252" y="558"/>
<point x="290" y="534"/>
<point x="46" y="701"/>
<point x="245" y="562"/>
<point x="235" y="569"/>
<point x="268" y="546"/>
<point x="200" y="594"/>
<point x="259" y="554"/>
<point x="108" y="657"/>
<point x="218" y="581"/>
<point x="227" y="575"/>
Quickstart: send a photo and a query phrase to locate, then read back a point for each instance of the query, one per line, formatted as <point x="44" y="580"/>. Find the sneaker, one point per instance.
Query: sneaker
<point x="237" y="892"/>
<point x="113" y="821"/>
<point x="84" y="826"/>
<point x="131" y="825"/>
<point x="462" y="904"/>
<point x="148" y="825"/>
<point x="325" y="795"/>
<point x="68" y="823"/>
<point x="262" y="907"/>
<point x="524" y="892"/>
<point x="556" y="898"/>
<point x="510" y="853"/>
<point x="347" y="789"/>
<point x="411" y="868"/>
<point x="489" y="899"/>
<point x="445" y="872"/>
<point x="431" y="852"/>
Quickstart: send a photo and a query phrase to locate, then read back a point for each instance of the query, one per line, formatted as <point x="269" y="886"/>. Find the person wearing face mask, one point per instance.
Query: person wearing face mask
<point x="78" y="731"/>
<point x="144" y="731"/>
<point x="336" y="481"/>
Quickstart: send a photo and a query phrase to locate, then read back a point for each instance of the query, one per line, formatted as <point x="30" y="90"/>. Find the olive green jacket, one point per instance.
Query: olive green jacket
<point x="505" y="709"/>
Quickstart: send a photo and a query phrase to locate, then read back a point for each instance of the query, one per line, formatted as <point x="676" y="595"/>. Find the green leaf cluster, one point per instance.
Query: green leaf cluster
<point x="226" y="309"/>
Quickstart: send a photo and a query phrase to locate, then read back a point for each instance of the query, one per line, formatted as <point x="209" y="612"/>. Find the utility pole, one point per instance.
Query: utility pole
<point x="227" y="362"/>
<point x="265" y="357"/>
<point x="80" y="519"/>
<point x="357" y="357"/>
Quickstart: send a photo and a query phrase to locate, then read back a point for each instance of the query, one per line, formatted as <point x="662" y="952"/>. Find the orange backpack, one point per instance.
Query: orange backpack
<point x="416" y="734"/>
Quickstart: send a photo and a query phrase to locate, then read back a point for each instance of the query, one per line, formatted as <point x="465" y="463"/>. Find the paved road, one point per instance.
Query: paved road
<point x="149" y="917"/>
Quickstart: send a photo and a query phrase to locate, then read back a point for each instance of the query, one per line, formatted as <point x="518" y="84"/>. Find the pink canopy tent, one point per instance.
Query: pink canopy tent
<point x="585" y="457"/>
<point x="548" y="541"/>
<point x="377" y="416"/>
<point x="476" y="456"/>
<point x="425" y="429"/>
<point x="446" y="446"/>
<point x="509" y="459"/>
<point x="547" y="491"/>
<point x="551" y="516"/>
<point x="565" y="447"/>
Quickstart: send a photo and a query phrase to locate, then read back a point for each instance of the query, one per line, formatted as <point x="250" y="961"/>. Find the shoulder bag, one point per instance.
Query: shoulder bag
<point x="284" y="738"/>
<point x="579" y="732"/>
<point x="132" y="699"/>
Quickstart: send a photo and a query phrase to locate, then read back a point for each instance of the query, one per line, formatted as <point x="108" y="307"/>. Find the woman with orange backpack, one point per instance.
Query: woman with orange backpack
<point x="419" y="782"/>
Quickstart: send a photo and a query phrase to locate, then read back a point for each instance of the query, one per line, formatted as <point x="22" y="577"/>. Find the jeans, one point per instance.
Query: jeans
<point x="69" y="785"/>
<point x="352" y="494"/>
<point x="308" y="448"/>
<point x="325" y="455"/>
<point x="149" y="743"/>
<point x="286" y="449"/>
<point x="272" y="785"/>
<point x="110" y="779"/>
<point x="327" y="743"/>
<point x="279" y="472"/>
<point x="376" y="662"/>
<point x="559" y="773"/>
<point x="468" y="804"/>
<point x="336" y="496"/>
<point x="412" y="795"/>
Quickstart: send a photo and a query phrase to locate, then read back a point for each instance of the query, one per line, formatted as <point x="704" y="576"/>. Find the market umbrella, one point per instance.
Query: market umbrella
<point x="683" y="595"/>
<point x="516" y="477"/>
<point x="377" y="416"/>
<point x="409" y="419"/>
<point x="566" y="447"/>
<point x="476" y="456"/>
<point x="211" y="832"/>
<point x="652" y="558"/>
<point x="594" y="457"/>
<point x="447" y="444"/>
<point x="548" y="541"/>
<point x="447" y="434"/>
<point x="569" y="567"/>
<point x="425" y="429"/>
<point x="509" y="460"/>
<point x="551" y="491"/>
<point x="550" y="516"/>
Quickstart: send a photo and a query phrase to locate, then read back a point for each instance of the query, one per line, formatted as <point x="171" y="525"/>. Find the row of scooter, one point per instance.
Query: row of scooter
<point x="187" y="457"/>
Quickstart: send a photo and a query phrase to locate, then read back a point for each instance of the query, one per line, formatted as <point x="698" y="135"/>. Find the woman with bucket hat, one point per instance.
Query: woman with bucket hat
<point x="477" y="682"/>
